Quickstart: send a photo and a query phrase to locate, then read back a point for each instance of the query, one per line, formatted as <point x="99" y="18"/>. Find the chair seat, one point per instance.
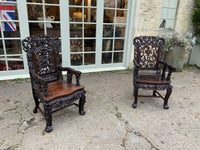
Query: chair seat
<point x="58" y="89"/>
<point x="152" y="80"/>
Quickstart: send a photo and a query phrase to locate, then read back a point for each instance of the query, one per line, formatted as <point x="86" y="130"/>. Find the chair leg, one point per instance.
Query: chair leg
<point x="168" y="93"/>
<point x="48" y="117"/>
<point x="154" y="92"/>
<point x="36" y="102"/>
<point x="134" y="105"/>
<point x="81" y="105"/>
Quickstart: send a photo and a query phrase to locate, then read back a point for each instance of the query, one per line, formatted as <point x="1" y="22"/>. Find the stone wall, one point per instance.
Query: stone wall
<point x="147" y="19"/>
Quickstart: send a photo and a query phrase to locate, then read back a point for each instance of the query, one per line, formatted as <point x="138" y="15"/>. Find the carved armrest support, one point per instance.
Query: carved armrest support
<point x="170" y="70"/>
<point x="70" y="73"/>
<point x="136" y="68"/>
<point x="43" y="84"/>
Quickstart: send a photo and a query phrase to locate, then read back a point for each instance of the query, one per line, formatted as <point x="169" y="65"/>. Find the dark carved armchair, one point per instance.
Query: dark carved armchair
<point x="45" y="70"/>
<point x="149" y="69"/>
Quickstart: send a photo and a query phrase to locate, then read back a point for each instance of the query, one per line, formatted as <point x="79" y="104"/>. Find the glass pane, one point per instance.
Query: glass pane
<point x="55" y="30"/>
<point x="121" y="16"/>
<point x="120" y="31"/>
<point x="35" y="12"/>
<point x="118" y="57"/>
<point x="90" y="30"/>
<point x="122" y="4"/>
<point x="89" y="45"/>
<point x="15" y="63"/>
<point x="13" y="46"/>
<point x="75" y="14"/>
<point x="1" y="48"/>
<point x="11" y="12"/>
<point x="76" y="59"/>
<point x="34" y="1"/>
<point x="52" y="1"/>
<point x="76" y="46"/>
<point x="11" y="29"/>
<point x="109" y="3"/>
<point x="2" y="64"/>
<point x="108" y="30"/>
<point x="90" y="3"/>
<point x="52" y="13"/>
<point x="89" y="59"/>
<point x="107" y="45"/>
<point x="75" y="2"/>
<point x="119" y="45"/>
<point x="106" y="58"/>
<point x="108" y="15"/>
<point x="36" y="28"/>
<point x="90" y="14"/>
<point x="75" y="30"/>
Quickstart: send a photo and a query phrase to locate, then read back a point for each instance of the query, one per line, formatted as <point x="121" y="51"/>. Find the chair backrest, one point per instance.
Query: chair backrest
<point x="148" y="51"/>
<point x="43" y="56"/>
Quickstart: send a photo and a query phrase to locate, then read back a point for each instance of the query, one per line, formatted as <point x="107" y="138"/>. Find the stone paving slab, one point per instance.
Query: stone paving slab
<point x="110" y="122"/>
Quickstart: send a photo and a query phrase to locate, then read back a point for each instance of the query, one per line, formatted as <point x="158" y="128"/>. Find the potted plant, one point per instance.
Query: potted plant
<point x="195" y="54"/>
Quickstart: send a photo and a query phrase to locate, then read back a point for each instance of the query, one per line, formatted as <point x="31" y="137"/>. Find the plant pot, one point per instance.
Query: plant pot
<point x="195" y="56"/>
<point x="175" y="57"/>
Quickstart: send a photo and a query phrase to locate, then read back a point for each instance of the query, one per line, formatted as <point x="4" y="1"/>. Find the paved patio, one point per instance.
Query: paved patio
<point x="110" y="122"/>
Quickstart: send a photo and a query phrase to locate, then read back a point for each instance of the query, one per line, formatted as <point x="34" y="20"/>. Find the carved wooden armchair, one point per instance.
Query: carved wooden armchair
<point x="149" y="69"/>
<point x="47" y="82"/>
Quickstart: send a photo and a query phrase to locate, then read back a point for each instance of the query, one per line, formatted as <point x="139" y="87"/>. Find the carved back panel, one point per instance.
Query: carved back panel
<point x="43" y="55"/>
<point x="148" y="51"/>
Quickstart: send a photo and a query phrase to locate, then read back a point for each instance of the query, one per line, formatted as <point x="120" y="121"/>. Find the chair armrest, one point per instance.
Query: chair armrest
<point x="135" y="70"/>
<point x="42" y="83"/>
<point x="70" y="73"/>
<point x="170" y="70"/>
<point x="136" y="64"/>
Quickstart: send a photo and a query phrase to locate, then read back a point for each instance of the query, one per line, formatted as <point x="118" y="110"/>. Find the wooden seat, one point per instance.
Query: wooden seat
<point x="48" y="86"/>
<point x="148" y="53"/>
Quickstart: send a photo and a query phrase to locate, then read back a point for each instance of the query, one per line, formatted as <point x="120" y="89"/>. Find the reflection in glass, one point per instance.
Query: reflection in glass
<point x="90" y="2"/>
<point x="89" y="45"/>
<point x="15" y="63"/>
<point x="75" y="2"/>
<point x="2" y="64"/>
<point x="119" y="44"/>
<point x="108" y="30"/>
<point x="76" y="59"/>
<point x="120" y="31"/>
<point x="75" y="30"/>
<point x="52" y="1"/>
<point x="107" y="45"/>
<point x="122" y="4"/>
<point x="106" y="58"/>
<point x="55" y="30"/>
<point x="76" y="46"/>
<point x="52" y="13"/>
<point x="75" y="14"/>
<point x="34" y="11"/>
<point x="89" y="59"/>
<point x="12" y="30"/>
<point x="90" y="30"/>
<point x="121" y="16"/>
<point x="118" y="57"/>
<point x="90" y="14"/>
<point x="109" y="15"/>
<point x="35" y="1"/>
<point x="13" y="46"/>
<point x="35" y="29"/>
<point x="1" y="48"/>
<point x="109" y="3"/>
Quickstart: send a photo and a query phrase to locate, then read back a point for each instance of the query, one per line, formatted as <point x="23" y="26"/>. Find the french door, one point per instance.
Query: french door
<point x="93" y="33"/>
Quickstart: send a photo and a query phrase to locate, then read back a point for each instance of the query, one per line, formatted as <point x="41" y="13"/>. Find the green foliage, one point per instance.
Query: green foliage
<point x="196" y="17"/>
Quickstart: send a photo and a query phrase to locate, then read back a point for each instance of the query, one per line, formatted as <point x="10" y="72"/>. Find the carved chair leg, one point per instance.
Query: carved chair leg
<point x="81" y="105"/>
<point x="48" y="117"/>
<point x="154" y="92"/>
<point x="169" y="91"/>
<point x="36" y="102"/>
<point x="134" y="105"/>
